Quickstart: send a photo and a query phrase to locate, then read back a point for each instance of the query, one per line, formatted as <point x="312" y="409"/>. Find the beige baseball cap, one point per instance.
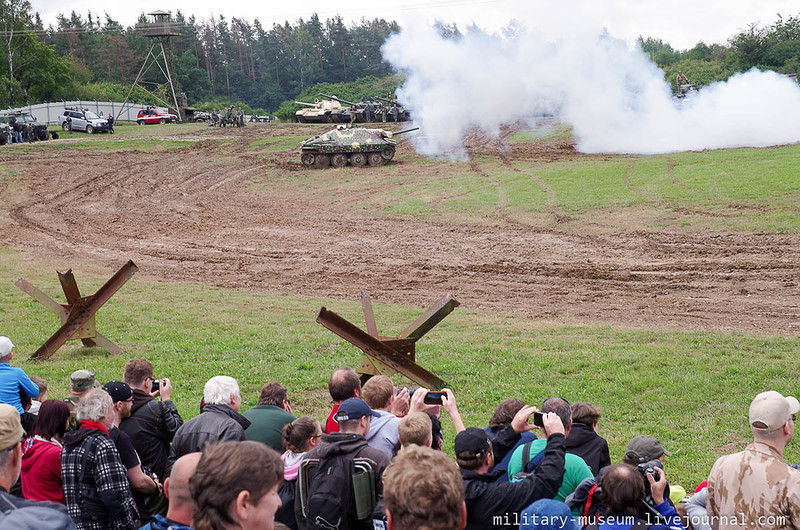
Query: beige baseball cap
<point x="769" y="411"/>
<point x="10" y="428"/>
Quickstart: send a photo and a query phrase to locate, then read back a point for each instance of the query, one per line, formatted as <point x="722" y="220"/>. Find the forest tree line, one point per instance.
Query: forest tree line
<point x="221" y="60"/>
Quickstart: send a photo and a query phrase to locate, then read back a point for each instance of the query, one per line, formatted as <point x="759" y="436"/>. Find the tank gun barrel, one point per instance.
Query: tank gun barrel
<point x="337" y="99"/>
<point x="385" y="100"/>
<point x="405" y="131"/>
<point x="306" y="104"/>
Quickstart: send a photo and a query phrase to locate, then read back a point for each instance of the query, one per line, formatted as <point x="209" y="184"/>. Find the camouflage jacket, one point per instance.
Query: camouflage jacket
<point x="753" y="489"/>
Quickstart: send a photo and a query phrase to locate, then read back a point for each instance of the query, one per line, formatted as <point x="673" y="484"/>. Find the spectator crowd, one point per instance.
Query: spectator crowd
<point x="120" y="456"/>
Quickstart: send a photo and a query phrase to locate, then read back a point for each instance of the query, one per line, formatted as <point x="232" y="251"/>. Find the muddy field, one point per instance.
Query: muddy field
<point x="182" y="219"/>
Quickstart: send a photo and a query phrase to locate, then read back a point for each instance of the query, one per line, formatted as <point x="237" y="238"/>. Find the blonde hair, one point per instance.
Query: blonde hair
<point x="423" y="490"/>
<point x="377" y="391"/>
<point x="415" y="429"/>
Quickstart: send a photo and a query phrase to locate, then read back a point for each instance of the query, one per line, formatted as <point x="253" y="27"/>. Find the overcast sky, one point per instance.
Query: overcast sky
<point x="682" y="23"/>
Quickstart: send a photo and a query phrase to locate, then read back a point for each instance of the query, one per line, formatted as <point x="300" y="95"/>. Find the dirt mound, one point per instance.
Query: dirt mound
<point x="182" y="218"/>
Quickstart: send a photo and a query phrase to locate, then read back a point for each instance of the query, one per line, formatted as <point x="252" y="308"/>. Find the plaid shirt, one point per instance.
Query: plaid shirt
<point x="104" y="474"/>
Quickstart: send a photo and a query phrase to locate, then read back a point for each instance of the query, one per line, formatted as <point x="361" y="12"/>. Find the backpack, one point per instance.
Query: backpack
<point x="285" y="513"/>
<point x="337" y="491"/>
<point x="528" y="465"/>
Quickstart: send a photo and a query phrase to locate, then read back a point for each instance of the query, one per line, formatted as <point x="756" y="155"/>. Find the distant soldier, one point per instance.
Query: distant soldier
<point x="240" y="118"/>
<point x="382" y="109"/>
<point x="17" y="129"/>
<point x="110" y="120"/>
<point x="394" y="112"/>
<point x="352" y="114"/>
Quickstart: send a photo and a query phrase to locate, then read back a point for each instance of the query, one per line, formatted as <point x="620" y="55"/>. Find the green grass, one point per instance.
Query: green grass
<point x="690" y="390"/>
<point x="557" y="132"/>
<point x="746" y="189"/>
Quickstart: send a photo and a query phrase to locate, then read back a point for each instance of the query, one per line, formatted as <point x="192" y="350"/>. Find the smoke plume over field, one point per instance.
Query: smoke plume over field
<point x="612" y="95"/>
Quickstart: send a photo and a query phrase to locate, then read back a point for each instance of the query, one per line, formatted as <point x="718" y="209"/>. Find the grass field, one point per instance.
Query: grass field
<point x="746" y="189"/>
<point x="689" y="389"/>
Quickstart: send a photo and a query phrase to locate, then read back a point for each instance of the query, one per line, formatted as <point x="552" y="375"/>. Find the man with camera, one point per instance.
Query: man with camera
<point x="524" y="458"/>
<point x="493" y="504"/>
<point x="645" y="455"/>
<point x="152" y="423"/>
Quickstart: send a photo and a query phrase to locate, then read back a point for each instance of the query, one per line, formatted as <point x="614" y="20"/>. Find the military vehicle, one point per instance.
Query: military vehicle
<point x="38" y="130"/>
<point x="685" y="87"/>
<point x="354" y="145"/>
<point x="366" y="111"/>
<point x="319" y="111"/>
<point x="394" y="110"/>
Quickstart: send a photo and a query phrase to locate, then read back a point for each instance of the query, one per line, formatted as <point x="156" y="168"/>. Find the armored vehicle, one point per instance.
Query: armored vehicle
<point x="685" y="87"/>
<point x="318" y="112"/>
<point x="38" y="131"/>
<point x="344" y="145"/>
<point x="364" y="111"/>
<point x="368" y="111"/>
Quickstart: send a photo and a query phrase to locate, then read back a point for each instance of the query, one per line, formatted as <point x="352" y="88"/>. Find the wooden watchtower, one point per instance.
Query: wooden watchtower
<point x="160" y="28"/>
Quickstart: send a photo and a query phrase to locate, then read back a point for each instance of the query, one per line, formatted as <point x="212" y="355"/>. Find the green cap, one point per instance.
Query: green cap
<point x="81" y="380"/>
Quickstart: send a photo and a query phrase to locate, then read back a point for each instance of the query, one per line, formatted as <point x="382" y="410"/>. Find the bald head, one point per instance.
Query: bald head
<point x="343" y="384"/>
<point x="179" y="477"/>
<point x="176" y="488"/>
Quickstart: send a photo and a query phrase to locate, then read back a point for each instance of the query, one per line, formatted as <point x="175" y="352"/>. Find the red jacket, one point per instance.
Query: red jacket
<point x="331" y="426"/>
<point x="41" y="471"/>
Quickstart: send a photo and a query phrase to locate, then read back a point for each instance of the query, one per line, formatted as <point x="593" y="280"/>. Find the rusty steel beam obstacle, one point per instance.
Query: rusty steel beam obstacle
<point x="78" y="314"/>
<point x="390" y="355"/>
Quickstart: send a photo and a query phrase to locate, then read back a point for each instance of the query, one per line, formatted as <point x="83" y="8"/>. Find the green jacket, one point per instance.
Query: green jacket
<point x="575" y="469"/>
<point x="266" y="424"/>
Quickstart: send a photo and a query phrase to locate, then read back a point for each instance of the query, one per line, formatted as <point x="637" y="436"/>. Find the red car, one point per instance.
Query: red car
<point x="152" y="115"/>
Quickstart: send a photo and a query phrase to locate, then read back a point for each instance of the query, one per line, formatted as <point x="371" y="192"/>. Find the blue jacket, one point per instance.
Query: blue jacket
<point x="12" y="379"/>
<point x="160" y="522"/>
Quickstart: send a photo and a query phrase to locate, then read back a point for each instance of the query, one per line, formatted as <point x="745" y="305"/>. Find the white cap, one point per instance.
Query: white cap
<point x="5" y="346"/>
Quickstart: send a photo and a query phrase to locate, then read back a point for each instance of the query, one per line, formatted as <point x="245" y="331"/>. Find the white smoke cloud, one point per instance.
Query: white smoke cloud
<point x="612" y="95"/>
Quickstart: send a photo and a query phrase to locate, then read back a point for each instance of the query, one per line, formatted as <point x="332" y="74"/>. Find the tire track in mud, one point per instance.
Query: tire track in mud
<point x="302" y="244"/>
<point x="555" y="210"/>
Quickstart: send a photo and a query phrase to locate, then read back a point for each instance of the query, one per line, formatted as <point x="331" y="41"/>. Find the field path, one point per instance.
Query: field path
<point x="188" y="215"/>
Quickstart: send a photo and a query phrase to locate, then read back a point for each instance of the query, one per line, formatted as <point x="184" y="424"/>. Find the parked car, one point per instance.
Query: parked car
<point x="152" y="115"/>
<point x="82" y="120"/>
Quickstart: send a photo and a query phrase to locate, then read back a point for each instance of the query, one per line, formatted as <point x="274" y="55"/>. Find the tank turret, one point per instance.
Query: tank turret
<point x="319" y="112"/>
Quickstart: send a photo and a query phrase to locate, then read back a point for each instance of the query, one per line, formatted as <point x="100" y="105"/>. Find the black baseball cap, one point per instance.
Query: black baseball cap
<point x="118" y="391"/>
<point x="473" y="441"/>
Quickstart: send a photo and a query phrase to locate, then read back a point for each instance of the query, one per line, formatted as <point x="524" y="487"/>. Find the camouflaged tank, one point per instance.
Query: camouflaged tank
<point x="354" y="145"/>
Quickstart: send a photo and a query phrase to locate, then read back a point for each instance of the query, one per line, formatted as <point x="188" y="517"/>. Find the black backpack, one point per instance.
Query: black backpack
<point x="330" y="499"/>
<point x="529" y="464"/>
